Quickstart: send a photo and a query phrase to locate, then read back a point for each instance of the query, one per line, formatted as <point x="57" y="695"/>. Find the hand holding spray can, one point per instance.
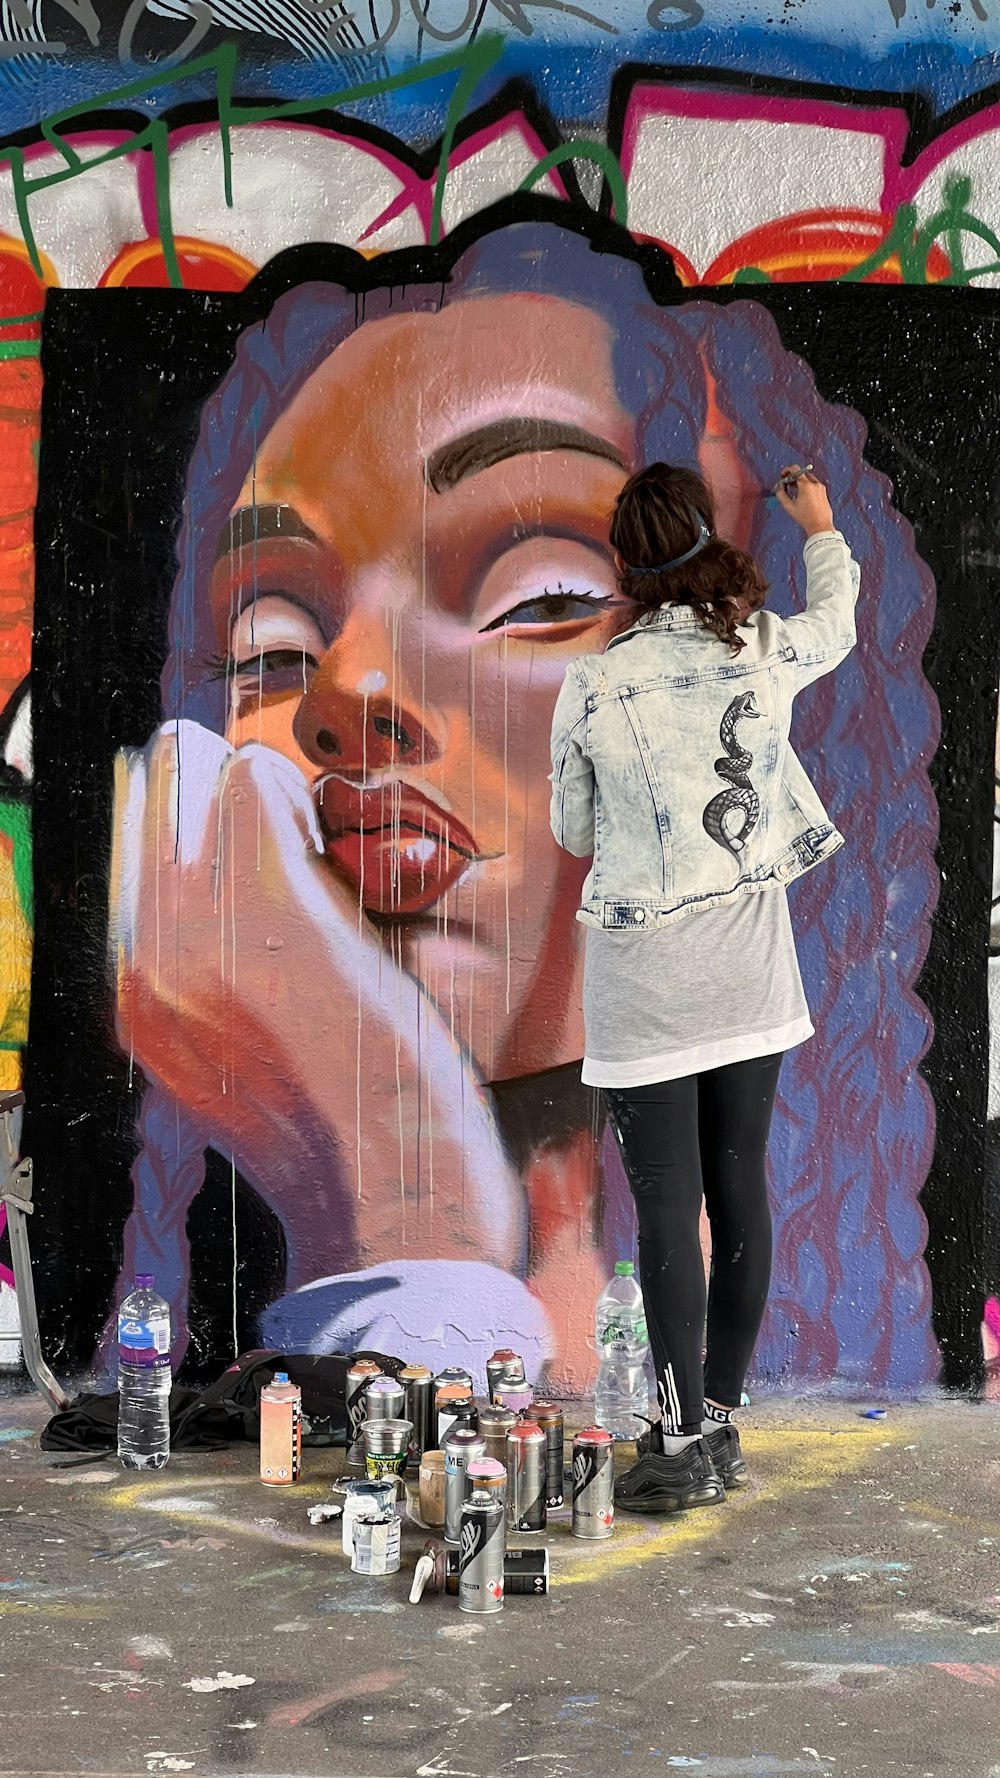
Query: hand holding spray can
<point x="280" y="1432"/>
<point x="593" y="1483"/>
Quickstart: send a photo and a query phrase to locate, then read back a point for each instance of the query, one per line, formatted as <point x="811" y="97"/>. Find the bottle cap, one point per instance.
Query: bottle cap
<point x="280" y="1377"/>
<point x="624" y="1268"/>
<point x="144" y="1280"/>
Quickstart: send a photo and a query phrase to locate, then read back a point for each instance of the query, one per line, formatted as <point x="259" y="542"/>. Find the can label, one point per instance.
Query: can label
<point x="593" y="1490"/>
<point x="384" y="1463"/>
<point x="376" y="1545"/>
<point x="280" y="1442"/>
<point x="480" y="1559"/>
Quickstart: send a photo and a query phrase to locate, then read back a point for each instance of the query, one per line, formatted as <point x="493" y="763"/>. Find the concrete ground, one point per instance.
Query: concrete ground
<point x="842" y="1618"/>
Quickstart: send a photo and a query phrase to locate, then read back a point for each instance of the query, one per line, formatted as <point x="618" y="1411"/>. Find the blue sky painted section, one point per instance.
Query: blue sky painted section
<point x="945" y="51"/>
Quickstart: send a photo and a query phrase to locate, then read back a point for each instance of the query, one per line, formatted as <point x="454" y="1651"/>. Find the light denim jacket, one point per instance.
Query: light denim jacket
<point x="671" y="762"/>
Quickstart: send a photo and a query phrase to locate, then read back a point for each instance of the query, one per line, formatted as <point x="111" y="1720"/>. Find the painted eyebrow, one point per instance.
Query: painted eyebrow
<point x="255" y="524"/>
<point x="479" y="450"/>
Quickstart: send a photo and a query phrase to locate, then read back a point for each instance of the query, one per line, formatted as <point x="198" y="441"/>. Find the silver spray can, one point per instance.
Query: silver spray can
<point x="460" y="1447"/>
<point x="502" y="1358"/>
<point x="384" y="1399"/>
<point x="549" y="1416"/>
<point x="494" y="1424"/>
<point x="480" y="1554"/>
<point x="526" y="1477"/>
<point x="418" y="1384"/>
<point x="359" y="1376"/>
<point x="593" y="1483"/>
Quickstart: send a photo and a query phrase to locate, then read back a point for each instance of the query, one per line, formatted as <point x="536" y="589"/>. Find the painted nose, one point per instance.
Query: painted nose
<point x="358" y="716"/>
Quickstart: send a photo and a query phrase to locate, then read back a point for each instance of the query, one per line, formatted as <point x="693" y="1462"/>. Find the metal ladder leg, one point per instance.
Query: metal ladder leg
<point x="15" y="1193"/>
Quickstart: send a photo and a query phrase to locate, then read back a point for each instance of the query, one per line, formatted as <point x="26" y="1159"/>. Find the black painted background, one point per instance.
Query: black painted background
<point x="125" y="373"/>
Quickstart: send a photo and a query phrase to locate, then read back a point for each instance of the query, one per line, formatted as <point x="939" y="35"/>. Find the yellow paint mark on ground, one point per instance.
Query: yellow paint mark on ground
<point x="801" y="1461"/>
<point x="922" y="1509"/>
<point x="143" y="1496"/>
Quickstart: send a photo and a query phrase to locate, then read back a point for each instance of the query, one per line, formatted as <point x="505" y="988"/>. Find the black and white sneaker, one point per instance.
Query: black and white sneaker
<point x="660" y="1484"/>
<point x="724" y="1448"/>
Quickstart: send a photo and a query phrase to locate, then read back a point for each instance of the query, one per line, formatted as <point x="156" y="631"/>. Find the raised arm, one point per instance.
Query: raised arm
<point x="824" y="633"/>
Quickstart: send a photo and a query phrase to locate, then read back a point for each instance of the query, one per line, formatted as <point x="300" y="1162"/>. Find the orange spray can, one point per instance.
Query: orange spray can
<point x="280" y="1432"/>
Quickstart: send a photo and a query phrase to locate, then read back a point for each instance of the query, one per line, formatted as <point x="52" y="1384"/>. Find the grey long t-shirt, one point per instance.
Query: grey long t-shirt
<point x="717" y="987"/>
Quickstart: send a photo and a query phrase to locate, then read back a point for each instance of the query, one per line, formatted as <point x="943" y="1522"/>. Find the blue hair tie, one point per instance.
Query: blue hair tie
<point x="704" y="536"/>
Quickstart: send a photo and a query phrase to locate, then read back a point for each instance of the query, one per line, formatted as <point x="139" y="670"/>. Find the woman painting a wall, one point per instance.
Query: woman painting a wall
<point x="342" y="933"/>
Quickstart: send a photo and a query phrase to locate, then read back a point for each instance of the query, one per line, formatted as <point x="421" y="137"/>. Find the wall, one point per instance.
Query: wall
<point x="335" y="1100"/>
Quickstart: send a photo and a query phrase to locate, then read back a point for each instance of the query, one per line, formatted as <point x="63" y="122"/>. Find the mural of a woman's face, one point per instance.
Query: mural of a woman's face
<point x="420" y="550"/>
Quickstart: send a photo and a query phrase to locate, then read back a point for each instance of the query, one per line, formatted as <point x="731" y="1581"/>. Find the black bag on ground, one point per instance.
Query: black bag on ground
<point x="228" y="1410"/>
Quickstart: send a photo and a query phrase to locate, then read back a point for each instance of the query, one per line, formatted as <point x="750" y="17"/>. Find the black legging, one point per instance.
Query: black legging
<point x="681" y="1140"/>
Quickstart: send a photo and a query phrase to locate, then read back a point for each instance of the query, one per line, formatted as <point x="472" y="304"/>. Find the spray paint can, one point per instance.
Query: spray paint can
<point x="526" y="1477"/>
<point x="461" y="1447"/>
<point x="418" y="1387"/>
<point x="548" y="1415"/>
<point x="359" y="1376"/>
<point x="494" y="1424"/>
<point x="480" y="1554"/>
<point x="489" y="1476"/>
<point x="454" y="1373"/>
<point x="503" y="1360"/>
<point x="453" y="1402"/>
<point x="518" y="1396"/>
<point x="384" y="1399"/>
<point x="280" y="1432"/>
<point x="524" y="1571"/>
<point x="437" y="1569"/>
<point x="593" y="1483"/>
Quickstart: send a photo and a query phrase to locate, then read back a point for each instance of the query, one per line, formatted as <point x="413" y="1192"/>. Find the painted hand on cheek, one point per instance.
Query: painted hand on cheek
<point x="250" y="989"/>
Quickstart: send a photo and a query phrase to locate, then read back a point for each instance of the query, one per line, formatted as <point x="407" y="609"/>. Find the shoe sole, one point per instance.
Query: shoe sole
<point x="663" y="1504"/>
<point x="732" y="1479"/>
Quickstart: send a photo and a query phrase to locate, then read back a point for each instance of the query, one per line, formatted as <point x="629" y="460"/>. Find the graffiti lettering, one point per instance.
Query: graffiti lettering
<point x="201" y="14"/>
<point x="693" y="13"/>
<point x="898" y="9"/>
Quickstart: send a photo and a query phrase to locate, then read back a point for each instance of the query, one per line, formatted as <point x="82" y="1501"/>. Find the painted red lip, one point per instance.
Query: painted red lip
<point x="399" y="850"/>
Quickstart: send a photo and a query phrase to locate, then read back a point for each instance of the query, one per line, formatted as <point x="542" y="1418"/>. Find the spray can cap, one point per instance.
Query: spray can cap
<point x="624" y="1268"/>
<point x="144" y="1280"/>
<point x="280" y="1377"/>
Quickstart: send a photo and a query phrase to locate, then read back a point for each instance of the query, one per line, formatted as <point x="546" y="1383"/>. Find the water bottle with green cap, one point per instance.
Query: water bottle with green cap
<point x="621" y="1395"/>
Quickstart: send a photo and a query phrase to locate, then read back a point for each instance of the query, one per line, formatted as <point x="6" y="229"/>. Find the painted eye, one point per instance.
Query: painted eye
<point x="275" y="644"/>
<point x="560" y="607"/>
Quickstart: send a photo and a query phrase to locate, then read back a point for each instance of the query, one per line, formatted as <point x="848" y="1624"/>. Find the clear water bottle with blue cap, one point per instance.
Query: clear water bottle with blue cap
<point x="621" y="1394"/>
<point x="144" y="1377"/>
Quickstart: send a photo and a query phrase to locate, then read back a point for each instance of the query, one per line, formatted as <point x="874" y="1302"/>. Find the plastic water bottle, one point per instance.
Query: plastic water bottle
<point x="621" y="1394"/>
<point x="144" y="1377"/>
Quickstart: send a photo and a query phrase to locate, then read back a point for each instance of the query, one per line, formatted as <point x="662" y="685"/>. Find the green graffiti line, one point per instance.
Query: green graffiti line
<point x="469" y="65"/>
<point x="579" y="150"/>
<point x="913" y="244"/>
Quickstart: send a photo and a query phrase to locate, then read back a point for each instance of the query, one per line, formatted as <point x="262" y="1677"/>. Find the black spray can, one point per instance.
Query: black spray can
<point x="480" y="1554"/>
<point x="358" y="1378"/>
<point x="526" y="1477"/>
<point x="593" y="1483"/>
<point x="524" y="1571"/>
<point x="549" y="1416"/>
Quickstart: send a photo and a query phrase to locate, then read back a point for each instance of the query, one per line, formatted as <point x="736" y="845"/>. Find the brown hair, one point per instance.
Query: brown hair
<point x="657" y="517"/>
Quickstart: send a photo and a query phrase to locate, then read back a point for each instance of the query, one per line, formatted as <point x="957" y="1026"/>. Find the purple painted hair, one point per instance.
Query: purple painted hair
<point x="853" y="1131"/>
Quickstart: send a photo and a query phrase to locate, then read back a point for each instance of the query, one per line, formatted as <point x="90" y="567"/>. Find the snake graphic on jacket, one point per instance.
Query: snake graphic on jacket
<point x="721" y="819"/>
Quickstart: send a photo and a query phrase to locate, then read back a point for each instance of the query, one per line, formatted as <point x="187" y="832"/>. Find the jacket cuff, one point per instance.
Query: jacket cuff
<point x="821" y="536"/>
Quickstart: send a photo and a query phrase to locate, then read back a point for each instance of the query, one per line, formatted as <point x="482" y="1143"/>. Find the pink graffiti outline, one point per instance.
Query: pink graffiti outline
<point x="648" y="99"/>
<point x="907" y="180"/>
<point x="421" y="192"/>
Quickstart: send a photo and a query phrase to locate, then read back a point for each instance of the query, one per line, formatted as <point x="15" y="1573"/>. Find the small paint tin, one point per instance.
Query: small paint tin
<point x="386" y="1447"/>
<point x="376" y="1544"/>
<point x="360" y="1498"/>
